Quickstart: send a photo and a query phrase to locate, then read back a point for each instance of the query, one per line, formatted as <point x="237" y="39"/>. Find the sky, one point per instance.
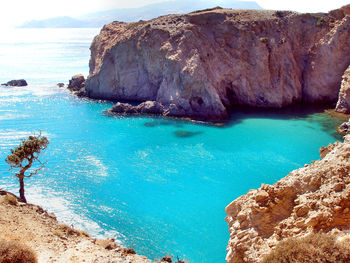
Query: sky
<point x="15" y="12"/>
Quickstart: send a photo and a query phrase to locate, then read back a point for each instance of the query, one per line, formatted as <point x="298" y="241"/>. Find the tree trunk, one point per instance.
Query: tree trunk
<point x="21" y="189"/>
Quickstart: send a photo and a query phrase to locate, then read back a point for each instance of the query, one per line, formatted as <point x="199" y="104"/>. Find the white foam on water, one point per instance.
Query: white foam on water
<point x="64" y="210"/>
<point x="100" y="168"/>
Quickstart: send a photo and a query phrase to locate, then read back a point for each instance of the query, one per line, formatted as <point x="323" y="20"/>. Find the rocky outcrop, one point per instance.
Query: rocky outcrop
<point x="16" y="83"/>
<point x="205" y="62"/>
<point x="315" y="198"/>
<point x="343" y="104"/>
<point x="77" y="85"/>
<point x="148" y="107"/>
<point x="344" y="128"/>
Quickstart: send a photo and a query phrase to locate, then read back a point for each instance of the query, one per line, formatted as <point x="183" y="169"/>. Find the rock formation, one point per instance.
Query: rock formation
<point x="204" y="62"/>
<point x="16" y="83"/>
<point x="343" y="104"/>
<point x="77" y="85"/>
<point x="344" y="128"/>
<point x="315" y="198"/>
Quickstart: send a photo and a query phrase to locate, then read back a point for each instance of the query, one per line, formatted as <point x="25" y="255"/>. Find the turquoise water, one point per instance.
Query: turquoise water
<point x="158" y="185"/>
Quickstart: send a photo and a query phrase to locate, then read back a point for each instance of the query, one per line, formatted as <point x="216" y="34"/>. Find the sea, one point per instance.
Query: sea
<point x="158" y="185"/>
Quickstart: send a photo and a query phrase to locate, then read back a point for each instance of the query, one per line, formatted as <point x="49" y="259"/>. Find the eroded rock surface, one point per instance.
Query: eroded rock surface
<point x="343" y="104"/>
<point x="202" y="63"/>
<point x="313" y="198"/>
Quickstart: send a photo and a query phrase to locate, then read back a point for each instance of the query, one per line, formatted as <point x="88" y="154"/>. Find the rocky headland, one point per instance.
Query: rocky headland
<point x="200" y="64"/>
<point x="312" y="199"/>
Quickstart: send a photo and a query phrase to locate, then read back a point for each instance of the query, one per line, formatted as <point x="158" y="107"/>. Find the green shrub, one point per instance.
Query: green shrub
<point x="264" y="39"/>
<point x="320" y="19"/>
<point x="310" y="249"/>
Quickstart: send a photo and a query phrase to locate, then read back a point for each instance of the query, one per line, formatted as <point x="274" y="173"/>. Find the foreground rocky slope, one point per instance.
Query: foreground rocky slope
<point x="54" y="242"/>
<point x="200" y="64"/>
<point x="315" y="198"/>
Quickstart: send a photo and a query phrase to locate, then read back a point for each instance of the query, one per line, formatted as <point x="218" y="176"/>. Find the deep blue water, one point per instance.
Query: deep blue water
<point x="158" y="185"/>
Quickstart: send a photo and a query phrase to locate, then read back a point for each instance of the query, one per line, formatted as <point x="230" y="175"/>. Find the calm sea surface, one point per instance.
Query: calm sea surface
<point x="158" y="185"/>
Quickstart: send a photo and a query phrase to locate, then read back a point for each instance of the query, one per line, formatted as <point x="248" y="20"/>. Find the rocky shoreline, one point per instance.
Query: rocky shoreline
<point x="200" y="64"/>
<point x="313" y="199"/>
<point x="30" y="226"/>
<point x="52" y="241"/>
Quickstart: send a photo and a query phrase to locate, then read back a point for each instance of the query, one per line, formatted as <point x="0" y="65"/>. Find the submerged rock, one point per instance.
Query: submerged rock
<point x="311" y="199"/>
<point x="201" y="64"/>
<point x="16" y="83"/>
<point x="343" y="104"/>
<point x="185" y="134"/>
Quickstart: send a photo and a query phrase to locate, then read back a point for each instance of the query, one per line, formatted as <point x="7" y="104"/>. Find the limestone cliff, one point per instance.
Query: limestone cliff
<point x="315" y="198"/>
<point x="202" y="63"/>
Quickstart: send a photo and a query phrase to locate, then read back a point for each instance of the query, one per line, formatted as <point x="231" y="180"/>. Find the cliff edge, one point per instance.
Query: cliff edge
<point x="200" y="64"/>
<point x="315" y="198"/>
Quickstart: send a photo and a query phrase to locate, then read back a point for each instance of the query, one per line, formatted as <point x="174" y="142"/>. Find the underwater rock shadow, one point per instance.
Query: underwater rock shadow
<point x="185" y="134"/>
<point x="163" y="122"/>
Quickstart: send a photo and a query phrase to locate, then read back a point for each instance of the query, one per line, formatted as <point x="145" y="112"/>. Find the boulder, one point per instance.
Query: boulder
<point x="60" y="85"/>
<point x="123" y="108"/>
<point x="150" y="107"/>
<point x="147" y="107"/>
<point x="16" y="83"/>
<point x="344" y="128"/>
<point x="76" y="83"/>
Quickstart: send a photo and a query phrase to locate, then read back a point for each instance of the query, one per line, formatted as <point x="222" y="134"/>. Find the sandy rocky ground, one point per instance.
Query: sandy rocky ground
<point x="55" y="242"/>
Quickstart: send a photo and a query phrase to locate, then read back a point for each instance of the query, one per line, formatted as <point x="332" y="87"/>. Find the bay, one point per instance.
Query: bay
<point x="158" y="185"/>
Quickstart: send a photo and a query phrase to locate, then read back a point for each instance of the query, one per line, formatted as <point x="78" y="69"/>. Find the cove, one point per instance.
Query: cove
<point x="158" y="185"/>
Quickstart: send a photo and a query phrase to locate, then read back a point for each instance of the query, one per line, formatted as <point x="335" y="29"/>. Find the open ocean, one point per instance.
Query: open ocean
<point x="157" y="185"/>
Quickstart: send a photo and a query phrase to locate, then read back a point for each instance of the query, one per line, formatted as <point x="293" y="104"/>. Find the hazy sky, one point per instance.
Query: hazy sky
<point x="14" y="12"/>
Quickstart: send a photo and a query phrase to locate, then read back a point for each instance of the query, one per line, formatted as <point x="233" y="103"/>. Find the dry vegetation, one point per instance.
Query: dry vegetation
<point x="16" y="252"/>
<point x="310" y="249"/>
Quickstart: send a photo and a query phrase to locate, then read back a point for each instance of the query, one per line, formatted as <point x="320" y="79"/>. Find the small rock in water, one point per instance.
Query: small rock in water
<point x="16" y="83"/>
<point x="76" y="83"/>
<point x="60" y="85"/>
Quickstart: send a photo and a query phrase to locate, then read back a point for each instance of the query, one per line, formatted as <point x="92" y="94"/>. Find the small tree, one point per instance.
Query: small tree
<point x="23" y="157"/>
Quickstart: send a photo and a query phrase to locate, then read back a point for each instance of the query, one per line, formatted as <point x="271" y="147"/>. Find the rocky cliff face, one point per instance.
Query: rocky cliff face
<point x="343" y="104"/>
<point x="315" y="198"/>
<point x="202" y="63"/>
